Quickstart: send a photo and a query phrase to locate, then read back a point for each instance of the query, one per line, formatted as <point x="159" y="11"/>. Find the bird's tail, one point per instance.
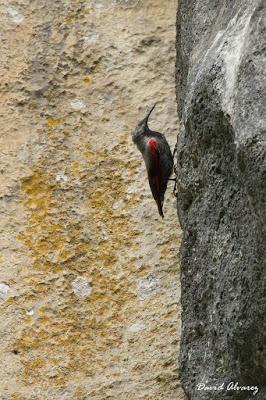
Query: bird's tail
<point x="160" y="207"/>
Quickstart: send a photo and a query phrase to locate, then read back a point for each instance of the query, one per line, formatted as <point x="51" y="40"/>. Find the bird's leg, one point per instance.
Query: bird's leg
<point x="175" y="150"/>
<point x="175" y="190"/>
<point x="174" y="153"/>
<point x="175" y="172"/>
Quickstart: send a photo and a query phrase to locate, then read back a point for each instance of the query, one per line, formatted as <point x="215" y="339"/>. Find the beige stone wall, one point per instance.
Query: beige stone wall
<point x="89" y="277"/>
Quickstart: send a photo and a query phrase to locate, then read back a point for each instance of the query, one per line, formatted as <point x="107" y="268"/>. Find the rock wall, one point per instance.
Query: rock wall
<point x="89" y="279"/>
<point x="221" y="203"/>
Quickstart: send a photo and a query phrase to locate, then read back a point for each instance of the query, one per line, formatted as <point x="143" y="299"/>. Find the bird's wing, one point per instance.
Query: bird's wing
<point x="154" y="167"/>
<point x="154" y="153"/>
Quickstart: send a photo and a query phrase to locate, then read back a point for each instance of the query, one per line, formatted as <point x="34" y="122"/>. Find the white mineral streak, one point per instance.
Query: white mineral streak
<point x="77" y="104"/>
<point x="81" y="287"/>
<point x="233" y="52"/>
<point x="4" y="289"/>
<point x="137" y="327"/>
<point x="228" y="45"/>
<point x="16" y="17"/>
<point x="148" y="286"/>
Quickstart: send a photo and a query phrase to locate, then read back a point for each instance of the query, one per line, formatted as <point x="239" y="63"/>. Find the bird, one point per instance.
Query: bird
<point x="157" y="156"/>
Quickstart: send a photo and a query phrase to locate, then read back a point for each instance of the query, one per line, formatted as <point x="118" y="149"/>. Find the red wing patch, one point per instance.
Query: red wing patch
<point x="153" y="146"/>
<point x="154" y="151"/>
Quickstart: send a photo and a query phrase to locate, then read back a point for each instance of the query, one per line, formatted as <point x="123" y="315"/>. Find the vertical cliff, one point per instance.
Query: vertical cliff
<point x="89" y="280"/>
<point x="221" y="204"/>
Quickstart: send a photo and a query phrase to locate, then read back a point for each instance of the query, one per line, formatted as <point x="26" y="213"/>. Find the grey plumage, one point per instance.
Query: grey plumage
<point x="157" y="156"/>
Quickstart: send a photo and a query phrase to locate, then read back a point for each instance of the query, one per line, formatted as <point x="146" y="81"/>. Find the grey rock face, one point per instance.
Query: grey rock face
<point x="221" y="201"/>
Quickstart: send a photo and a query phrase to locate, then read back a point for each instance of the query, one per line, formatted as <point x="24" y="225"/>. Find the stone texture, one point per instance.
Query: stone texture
<point x="221" y="202"/>
<point x="90" y="304"/>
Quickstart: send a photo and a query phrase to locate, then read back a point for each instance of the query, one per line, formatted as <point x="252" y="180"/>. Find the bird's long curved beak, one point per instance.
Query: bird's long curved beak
<point x="149" y="113"/>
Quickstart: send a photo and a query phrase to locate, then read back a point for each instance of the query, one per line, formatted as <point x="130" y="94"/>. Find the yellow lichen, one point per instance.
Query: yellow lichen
<point x="87" y="79"/>
<point x="57" y="246"/>
<point x="69" y="20"/>
<point x="52" y="123"/>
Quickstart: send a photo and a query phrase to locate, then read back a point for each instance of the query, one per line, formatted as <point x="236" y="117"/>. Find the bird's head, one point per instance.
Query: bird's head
<point x="142" y="126"/>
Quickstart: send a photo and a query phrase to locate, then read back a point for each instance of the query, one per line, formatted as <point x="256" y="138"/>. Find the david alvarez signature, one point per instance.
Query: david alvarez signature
<point x="234" y="386"/>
